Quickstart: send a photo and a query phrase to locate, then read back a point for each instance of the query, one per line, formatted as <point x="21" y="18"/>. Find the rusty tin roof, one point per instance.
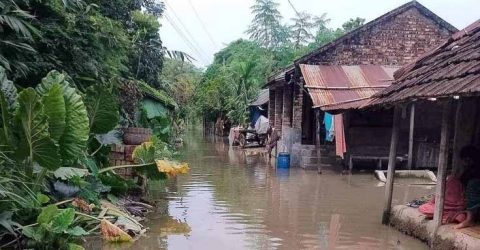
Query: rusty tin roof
<point x="453" y="68"/>
<point x="341" y="86"/>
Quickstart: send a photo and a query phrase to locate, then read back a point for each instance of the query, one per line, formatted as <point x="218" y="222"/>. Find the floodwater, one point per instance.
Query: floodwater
<point x="234" y="200"/>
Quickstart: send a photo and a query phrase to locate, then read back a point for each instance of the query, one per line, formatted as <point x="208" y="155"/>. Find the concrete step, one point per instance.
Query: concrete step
<point x="315" y="160"/>
<point x="315" y="166"/>
<point x="313" y="152"/>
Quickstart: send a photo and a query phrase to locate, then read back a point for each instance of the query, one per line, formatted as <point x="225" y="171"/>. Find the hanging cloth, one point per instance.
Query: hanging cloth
<point x="329" y="127"/>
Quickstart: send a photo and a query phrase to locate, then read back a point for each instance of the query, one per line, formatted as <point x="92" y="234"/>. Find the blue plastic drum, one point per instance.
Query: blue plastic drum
<point x="283" y="160"/>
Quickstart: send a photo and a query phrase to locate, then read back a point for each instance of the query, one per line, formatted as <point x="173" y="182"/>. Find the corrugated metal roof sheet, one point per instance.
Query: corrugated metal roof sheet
<point x="342" y="86"/>
<point x="451" y="69"/>
<point x="262" y="98"/>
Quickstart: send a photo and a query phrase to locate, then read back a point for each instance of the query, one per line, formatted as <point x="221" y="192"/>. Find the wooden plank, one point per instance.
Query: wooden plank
<point x="442" y="166"/>
<point x="410" y="136"/>
<point x="391" y="166"/>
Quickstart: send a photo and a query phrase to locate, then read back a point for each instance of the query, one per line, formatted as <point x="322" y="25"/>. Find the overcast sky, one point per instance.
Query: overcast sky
<point x="206" y="26"/>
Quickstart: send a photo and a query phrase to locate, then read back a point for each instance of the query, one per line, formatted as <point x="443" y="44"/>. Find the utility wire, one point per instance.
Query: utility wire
<point x="204" y="27"/>
<point x="184" y="38"/>
<point x="185" y="29"/>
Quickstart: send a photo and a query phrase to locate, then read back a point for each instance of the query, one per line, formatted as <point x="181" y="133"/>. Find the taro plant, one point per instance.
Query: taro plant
<point x="42" y="128"/>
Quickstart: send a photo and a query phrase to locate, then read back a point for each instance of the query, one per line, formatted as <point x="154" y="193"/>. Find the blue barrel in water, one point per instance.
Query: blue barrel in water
<point x="283" y="160"/>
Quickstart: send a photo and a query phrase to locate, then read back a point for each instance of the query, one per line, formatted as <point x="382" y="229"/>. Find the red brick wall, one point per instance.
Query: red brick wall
<point x="394" y="42"/>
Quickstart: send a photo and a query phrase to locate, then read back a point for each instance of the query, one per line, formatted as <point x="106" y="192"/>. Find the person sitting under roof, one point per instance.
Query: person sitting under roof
<point x="460" y="206"/>
<point x="471" y="179"/>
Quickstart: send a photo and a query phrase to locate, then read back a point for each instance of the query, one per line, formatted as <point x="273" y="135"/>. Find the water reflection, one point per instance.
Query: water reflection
<point x="234" y="200"/>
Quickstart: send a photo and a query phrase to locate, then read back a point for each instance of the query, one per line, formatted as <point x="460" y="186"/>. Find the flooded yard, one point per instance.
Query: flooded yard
<point x="231" y="200"/>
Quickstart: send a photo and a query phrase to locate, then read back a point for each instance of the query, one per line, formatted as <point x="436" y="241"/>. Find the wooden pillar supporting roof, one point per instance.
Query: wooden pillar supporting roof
<point x="391" y="166"/>
<point x="442" y="166"/>
<point x="410" y="137"/>
<point x="318" y="125"/>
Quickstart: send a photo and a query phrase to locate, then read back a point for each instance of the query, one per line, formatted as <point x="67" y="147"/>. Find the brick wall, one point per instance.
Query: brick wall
<point x="287" y="105"/>
<point x="297" y="106"/>
<point x="278" y="108"/>
<point x="397" y="41"/>
<point x="271" y="107"/>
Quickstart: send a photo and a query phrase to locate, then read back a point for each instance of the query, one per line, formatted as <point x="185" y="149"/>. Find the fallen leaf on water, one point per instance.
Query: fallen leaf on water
<point x="113" y="233"/>
<point x="171" y="169"/>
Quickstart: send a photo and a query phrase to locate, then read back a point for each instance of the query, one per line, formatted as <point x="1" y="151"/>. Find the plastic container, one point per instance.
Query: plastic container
<point x="283" y="160"/>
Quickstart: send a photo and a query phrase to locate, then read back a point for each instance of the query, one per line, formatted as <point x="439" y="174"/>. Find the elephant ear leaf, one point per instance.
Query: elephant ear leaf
<point x="35" y="142"/>
<point x="54" y="104"/>
<point x="102" y="106"/>
<point x="75" y="136"/>
<point x="53" y="77"/>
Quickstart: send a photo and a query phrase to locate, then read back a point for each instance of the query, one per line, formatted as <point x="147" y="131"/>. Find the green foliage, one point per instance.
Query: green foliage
<point x="55" y="229"/>
<point x="353" y="24"/>
<point x="102" y="105"/>
<point x="35" y="143"/>
<point x="266" y="26"/>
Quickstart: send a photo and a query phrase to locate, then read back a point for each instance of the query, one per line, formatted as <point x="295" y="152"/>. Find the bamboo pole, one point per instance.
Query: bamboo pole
<point x="456" y="137"/>
<point x="391" y="166"/>
<point x="410" y="136"/>
<point x="442" y="167"/>
<point x="317" y="140"/>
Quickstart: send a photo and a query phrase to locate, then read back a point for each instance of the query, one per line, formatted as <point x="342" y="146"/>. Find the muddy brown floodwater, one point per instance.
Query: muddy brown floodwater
<point x="231" y="200"/>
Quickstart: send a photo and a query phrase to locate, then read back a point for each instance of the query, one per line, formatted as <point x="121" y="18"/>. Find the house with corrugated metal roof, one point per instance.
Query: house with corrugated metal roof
<point x="344" y="74"/>
<point x="446" y="79"/>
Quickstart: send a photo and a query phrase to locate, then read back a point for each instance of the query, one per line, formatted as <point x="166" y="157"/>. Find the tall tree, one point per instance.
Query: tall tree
<point x="266" y="28"/>
<point x="353" y="24"/>
<point x="302" y="29"/>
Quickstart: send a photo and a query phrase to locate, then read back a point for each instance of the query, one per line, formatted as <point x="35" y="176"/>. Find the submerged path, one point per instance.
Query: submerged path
<point x="234" y="201"/>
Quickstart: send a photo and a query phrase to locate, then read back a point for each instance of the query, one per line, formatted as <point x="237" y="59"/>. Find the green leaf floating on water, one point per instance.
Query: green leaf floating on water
<point x="72" y="246"/>
<point x="35" y="141"/>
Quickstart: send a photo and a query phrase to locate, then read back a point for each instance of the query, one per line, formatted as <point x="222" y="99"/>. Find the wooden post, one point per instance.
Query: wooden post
<point x="317" y="139"/>
<point x="442" y="167"/>
<point x="410" y="136"/>
<point x="456" y="136"/>
<point x="392" y="158"/>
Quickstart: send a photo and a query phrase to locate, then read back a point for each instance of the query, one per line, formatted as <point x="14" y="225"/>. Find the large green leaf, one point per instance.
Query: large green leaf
<point x="35" y="143"/>
<point x="74" y="138"/>
<point x="102" y="106"/>
<point x="55" y="110"/>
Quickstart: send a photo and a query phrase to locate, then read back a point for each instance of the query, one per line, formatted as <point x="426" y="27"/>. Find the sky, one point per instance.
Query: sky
<point x="203" y="27"/>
